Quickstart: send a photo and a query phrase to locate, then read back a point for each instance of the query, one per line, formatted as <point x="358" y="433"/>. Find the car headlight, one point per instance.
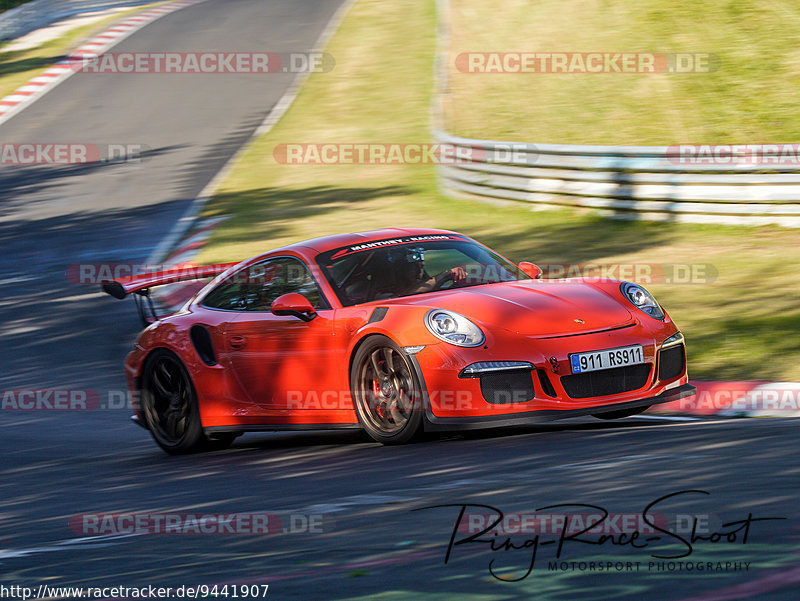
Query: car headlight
<point x="642" y="299"/>
<point x="453" y="328"/>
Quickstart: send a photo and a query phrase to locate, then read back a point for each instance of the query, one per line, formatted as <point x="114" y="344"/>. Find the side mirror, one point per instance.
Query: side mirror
<point x="531" y="269"/>
<point x="293" y="304"/>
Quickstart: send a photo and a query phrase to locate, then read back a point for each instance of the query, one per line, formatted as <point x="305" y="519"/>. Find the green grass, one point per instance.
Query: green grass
<point x="18" y="67"/>
<point x="9" y="4"/>
<point x="741" y="325"/>
<point x="751" y="97"/>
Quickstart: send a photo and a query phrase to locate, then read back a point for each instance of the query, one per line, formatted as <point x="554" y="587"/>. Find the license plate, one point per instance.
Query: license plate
<point x="607" y="359"/>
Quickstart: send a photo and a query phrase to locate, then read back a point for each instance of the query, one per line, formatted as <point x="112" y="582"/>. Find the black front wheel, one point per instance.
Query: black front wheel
<point x="169" y="406"/>
<point x="386" y="391"/>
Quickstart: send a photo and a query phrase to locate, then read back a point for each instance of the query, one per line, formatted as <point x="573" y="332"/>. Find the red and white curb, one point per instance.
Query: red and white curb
<point x="172" y="297"/>
<point x="62" y="70"/>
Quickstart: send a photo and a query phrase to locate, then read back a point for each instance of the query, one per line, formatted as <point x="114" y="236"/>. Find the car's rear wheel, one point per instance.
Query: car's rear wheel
<point x="622" y="413"/>
<point x="169" y="407"/>
<point x="386" y="391"/>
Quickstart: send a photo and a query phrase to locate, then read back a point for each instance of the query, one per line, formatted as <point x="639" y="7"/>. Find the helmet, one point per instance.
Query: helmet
<point x="406" y="255"/>
<point x="408" y="263"/>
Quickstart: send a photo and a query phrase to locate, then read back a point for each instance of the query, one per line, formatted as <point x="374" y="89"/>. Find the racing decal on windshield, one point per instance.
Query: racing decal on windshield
<point x="348" y="250"/>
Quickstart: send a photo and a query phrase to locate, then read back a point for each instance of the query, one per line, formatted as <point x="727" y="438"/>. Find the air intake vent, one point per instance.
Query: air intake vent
<point x="507" y="387"/>
<point x="201" y="340"/>
<point x="671" y="362"/>
<point x="547" y="385"/>
<point x="378" y="314"/>
<point x="606" y="381"/>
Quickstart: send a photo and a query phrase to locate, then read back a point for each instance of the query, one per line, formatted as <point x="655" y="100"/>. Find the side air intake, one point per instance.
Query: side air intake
<point x="201" y="339"/>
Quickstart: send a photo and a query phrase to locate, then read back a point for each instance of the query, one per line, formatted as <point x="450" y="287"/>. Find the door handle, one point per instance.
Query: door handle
<point x="237" y="342"/>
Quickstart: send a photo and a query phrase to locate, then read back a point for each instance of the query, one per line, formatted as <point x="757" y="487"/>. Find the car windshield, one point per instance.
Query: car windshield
<point x="394" y="268"/>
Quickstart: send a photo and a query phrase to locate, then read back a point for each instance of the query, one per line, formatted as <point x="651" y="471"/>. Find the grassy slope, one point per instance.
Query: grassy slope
<point x="9" y="4"/>
<point x="740" y="326"/>
<point x="16" y="68"/>
<point x="750" y="98"/>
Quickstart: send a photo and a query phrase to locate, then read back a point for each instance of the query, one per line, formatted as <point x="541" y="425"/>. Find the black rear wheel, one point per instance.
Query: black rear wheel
<point x="386" y="391"/>
<point x="169" y="406"/>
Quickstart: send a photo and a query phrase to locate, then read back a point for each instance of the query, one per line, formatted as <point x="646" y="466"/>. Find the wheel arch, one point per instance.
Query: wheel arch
<point x="147" y="356"/>
<point x="359" y="342"/>
<point x="416" y="423"/>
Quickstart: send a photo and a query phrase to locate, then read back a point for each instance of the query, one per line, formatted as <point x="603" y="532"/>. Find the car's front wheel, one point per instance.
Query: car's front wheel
<point x="386" y="391"/>
<point x="169" y="406"/>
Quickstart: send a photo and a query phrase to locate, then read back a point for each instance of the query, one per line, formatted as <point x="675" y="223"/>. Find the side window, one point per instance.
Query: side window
<point x="235" y="293"/>
<point x="256" y="287"/>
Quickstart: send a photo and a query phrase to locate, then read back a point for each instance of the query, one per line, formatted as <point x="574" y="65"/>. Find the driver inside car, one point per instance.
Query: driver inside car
<point x="414" y="279"/>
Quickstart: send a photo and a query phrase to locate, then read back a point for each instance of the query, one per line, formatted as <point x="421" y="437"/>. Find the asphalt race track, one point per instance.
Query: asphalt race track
<point x="359" y="498"/>
<point x="347" y="505"/>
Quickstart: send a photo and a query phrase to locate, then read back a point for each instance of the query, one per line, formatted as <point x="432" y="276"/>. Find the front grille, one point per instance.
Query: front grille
<point x="671" y="362"/>
<point x="606" y="381"/>
<point x="507" y="387"/>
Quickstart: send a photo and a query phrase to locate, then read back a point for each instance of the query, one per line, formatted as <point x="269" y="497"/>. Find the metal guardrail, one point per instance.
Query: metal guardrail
<point x="626" y="182"/>
<point x="28" y="17"/>
<point x="629" y="182"/>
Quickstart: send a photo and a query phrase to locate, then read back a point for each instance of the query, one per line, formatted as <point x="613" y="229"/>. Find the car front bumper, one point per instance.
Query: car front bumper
<point x="549" y="389"/>
<point x="544" y="415"/>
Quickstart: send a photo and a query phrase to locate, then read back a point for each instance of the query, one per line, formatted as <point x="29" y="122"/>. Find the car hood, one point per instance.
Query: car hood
<point x="533" y="307"/>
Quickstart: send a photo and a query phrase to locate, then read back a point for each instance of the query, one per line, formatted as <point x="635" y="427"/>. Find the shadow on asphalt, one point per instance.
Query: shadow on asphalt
<point x="297" y="440"/>
<point x="18" y="182"/>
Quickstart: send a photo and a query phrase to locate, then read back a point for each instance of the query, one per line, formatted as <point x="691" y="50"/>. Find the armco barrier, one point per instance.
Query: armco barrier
<point x="650" y="182"/>
<point x="28" y="17"/>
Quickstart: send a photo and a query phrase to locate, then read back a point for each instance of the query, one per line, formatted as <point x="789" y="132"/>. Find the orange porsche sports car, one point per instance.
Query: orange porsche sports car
<point x="394" y="331"/>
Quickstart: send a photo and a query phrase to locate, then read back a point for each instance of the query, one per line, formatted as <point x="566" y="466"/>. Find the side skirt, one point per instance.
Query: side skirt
<point x="277" y="428"/>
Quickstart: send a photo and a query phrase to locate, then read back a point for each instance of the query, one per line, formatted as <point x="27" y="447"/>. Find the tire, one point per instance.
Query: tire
<point x="386" y="392"/>
<point x="621" y="413"/>
<point x="169" y="407"/>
